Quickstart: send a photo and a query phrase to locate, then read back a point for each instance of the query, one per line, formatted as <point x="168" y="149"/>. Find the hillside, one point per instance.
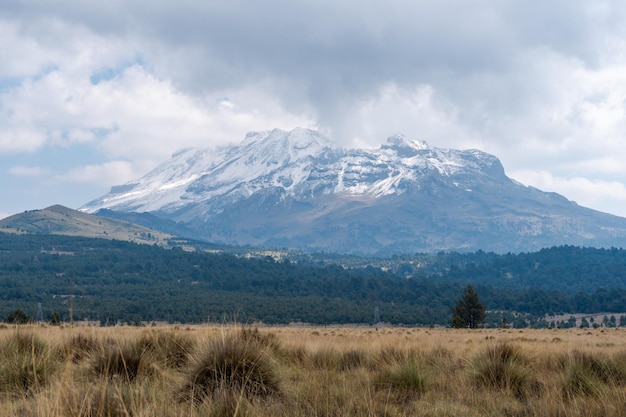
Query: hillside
<point x="59" y="220"/>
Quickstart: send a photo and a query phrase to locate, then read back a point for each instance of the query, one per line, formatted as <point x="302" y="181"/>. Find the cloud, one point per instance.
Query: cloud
<point x="20" y="139"/>
<point x="133" y="115"/>
<point x="25" y="171"/>
<point x="130" y="82"/>
<point x="421" y="113"/>
<point x="112" y="172"/>
<point x="20" y="56"/>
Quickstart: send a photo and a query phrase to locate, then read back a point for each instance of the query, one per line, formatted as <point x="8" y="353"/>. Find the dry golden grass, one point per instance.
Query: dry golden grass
<point x="310" y="371"/>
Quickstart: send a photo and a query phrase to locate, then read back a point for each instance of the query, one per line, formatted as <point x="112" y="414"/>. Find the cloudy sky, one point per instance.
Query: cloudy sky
<point x="94" y="94"/>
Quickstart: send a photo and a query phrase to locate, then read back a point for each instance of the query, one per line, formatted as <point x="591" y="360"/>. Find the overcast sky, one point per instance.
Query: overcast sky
<point x="94" y="94"/>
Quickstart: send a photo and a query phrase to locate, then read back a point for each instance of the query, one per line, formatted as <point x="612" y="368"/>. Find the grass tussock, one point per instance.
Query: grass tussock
<point x="405" y="379"/>
<point x="233" y="365"/>
<point x="121" y="361"/>
<point x="171" y="349"/>
<point x="504" y="367"/>
<point x="228" y="404"/>
<point x="26" y="363"/>
<point x="327" y="358"/>
<point x="104" y="400"/>
<point x="589" y="374"/>
<point x="80" y="346"/>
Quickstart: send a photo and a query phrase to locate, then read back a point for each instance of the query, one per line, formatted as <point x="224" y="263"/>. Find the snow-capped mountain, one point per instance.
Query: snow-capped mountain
<point x="297" y="189"/>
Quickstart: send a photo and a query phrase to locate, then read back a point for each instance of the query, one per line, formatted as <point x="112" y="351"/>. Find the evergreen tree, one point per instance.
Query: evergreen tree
<point x="469" y="311"/>
<point x="55" y="320"/>
<point x="19" y="317"/>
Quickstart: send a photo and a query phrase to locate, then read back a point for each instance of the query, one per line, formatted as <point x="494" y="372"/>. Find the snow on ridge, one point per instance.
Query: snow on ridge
<point x="297" y="161"/>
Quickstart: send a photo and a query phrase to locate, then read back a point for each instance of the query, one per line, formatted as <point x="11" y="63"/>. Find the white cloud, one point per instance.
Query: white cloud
<point x="20" y="139"/>
<point x="20" y="56"/>
<point x="133" y="116"/>
<point x="28" y="171"/>
<point x="421" y="113"/>
<point x="106" y="174"/>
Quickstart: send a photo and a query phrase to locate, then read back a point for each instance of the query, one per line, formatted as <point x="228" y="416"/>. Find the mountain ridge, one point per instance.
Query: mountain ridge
<point x="298" y="190"/>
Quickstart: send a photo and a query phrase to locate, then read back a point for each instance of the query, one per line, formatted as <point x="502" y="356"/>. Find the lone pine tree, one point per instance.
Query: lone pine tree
<point x="468" y="311"/>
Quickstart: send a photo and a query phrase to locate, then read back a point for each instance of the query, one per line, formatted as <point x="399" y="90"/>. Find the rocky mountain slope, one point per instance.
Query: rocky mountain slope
<point x="297" y="189"/>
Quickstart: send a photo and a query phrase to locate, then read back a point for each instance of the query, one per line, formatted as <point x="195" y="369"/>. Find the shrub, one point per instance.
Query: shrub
<point x="19" y="317"/>
<point x="234" y="364"/>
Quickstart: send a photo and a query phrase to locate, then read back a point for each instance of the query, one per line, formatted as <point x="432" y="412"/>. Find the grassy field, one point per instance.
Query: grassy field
<point x="310" y="371"/>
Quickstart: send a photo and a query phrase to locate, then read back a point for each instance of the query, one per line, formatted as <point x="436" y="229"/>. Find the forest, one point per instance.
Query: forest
<point x="109" y="282"/>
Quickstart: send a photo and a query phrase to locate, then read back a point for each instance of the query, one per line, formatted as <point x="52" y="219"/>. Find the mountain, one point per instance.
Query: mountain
<point x="59" y="220"/>
<point x="297" y="189"/>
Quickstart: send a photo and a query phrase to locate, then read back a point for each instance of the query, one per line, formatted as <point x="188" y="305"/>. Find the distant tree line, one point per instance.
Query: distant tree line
<point x="114" y="281"/>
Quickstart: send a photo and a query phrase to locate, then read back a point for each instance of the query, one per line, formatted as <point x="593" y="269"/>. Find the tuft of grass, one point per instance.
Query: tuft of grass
<point x="334" y="360"/>
<point x="80" y="346"/>
<point x="234" y="364"/>
<point x="105" y="399"/>
<point x="589" y="374"/>
<point x="353" y="358"/>
<point x="169" y="348"/>
<point x="503" y="366"/>
<point x="390" y="355"/>
<point x="328" y="359"/>
<point x="265" y="341"/>
<point x="578" y="379"/>
<point x="230" y="405"/>
<point x="118" y="361"/>
<point x="26" y="363"/>
<point x="295" y="355"/>
<point x="406" y="378"/>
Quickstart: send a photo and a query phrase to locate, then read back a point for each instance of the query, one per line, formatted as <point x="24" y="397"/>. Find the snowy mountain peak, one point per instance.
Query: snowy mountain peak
<point x="399" y="141"/>
<point x="301" y="164"/>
